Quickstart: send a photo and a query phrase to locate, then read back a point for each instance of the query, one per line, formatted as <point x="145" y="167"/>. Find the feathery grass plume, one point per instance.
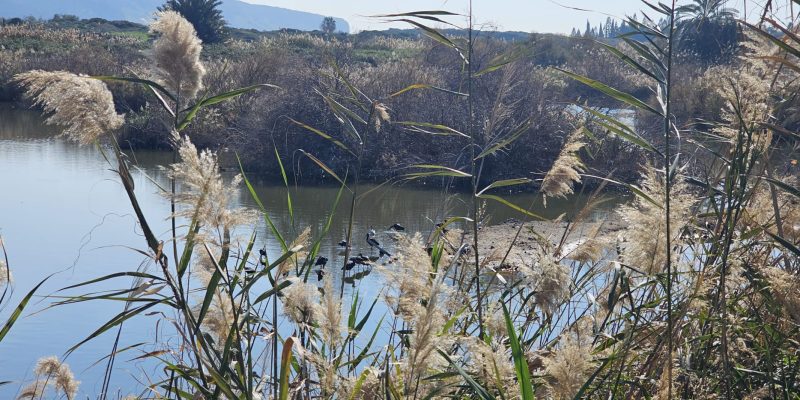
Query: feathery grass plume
<point x="427" y="335"/>
<point x="302" y="240"/>
<point x="82" y="105"/>
<point x="410" y="285"/>
<point x="331" y="315"/>
<point x="33" y="391"/>
<point x="5" y="273"/>
<point x="50" y="371"/>
<point x="745" y="90"/>
<point x="47" y="366"/>
<point x="203" y="267"/>
<point x="220" y="315"/>
<point x="745" y="93"/>
<point x="590" y="250"/>
<point x="177" y="54"/>
<point x="204" y="195"/>
<point x="495" y="322"/>
<point x="330" y="382"/>
<point x="491" y="365"/>
<point x="549" y="280"/>
<point x="644" y="246"/>
<point x="760" y="210"/>
<point x="566" y="170"/>
<point x="568" y="368"/>
<point x="785" y="287"/>
<point x="589" y="247"/>
<point x="66" y="383"/>
<point x="418" y="296"/>
<point x="371" y="386"/>
<point x="380" y="114"/>
<point x="301" y="303"/>
<point x="426" y="338"/>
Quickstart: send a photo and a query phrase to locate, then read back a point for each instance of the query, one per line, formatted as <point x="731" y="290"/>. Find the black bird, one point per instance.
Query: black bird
<point x="374" y="244"/>
<point x="349" y="266"/>
<point x="262" y="259"/>
<point x="320" y="274"/>
<point x="397" y="227"/>
<point x="343" y="243"/>
<point x="371" y="239"/>
<point x="361" y="260"/>
<point x="321" y="262"/>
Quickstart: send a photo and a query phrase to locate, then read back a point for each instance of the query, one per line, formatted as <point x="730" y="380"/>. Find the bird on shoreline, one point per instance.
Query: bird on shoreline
<point x="321" y="262"/>
<point x="397" y="227"/>
<point x="262" y="256"/>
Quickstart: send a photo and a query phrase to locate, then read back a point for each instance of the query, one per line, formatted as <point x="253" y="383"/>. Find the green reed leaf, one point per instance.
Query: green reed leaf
<point x="504" y="183"/>
<point x="511" y="205"/>
<point x="611" y="92"/>
<point x="192" y="111"/>
<point x="322" y="135"/>
<point x="18" y="311"/>
<point x="286" y="362"/>
<point x="520" y="362"/>
<point x="480" y="392"/>
<point x="324" y="166"/>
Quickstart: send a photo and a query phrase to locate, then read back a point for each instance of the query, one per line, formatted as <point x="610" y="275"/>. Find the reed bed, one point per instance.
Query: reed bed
<point x="695" y="297"/>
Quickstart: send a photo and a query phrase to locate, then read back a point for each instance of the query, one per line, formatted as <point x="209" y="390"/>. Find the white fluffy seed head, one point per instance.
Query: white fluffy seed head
<point x="82" y="105"/>
<point x="177" y="54"/>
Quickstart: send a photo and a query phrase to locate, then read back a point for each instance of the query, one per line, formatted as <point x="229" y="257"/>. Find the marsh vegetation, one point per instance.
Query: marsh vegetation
<point x="687" y="290"/>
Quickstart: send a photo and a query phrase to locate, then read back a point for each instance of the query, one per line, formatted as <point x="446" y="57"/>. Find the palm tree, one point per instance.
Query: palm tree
<point x="204" y="15"/>
<point x="706" y="10"/>
<point x="328" y="26"/>
<point x="707" y="29"/>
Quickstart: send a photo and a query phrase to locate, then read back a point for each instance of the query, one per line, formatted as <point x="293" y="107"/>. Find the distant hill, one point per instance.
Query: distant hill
<point x="238" y="13"/>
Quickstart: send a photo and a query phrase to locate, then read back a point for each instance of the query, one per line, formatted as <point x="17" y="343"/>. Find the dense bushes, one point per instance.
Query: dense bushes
<point x="380" y="64"/>
<point x="687" y="291"/>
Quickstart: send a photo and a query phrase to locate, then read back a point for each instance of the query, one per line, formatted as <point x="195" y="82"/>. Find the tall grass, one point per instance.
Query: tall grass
<point x="692" y="295"/>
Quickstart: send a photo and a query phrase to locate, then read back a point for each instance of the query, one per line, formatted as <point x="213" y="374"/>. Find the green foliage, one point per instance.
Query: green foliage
<point x="328" y="25"/>
<point x="204" y="15"/>
<point x="707" y="29"/>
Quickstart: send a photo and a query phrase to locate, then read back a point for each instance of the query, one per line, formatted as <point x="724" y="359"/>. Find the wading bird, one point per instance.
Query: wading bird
<point x="375" y="245"/>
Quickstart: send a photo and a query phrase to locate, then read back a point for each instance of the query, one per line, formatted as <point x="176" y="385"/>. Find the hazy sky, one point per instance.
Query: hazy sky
<point x="519" y="15"/>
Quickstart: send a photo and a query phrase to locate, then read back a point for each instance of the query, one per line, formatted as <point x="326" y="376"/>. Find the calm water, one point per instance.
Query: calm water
<point x="62" y="212"/>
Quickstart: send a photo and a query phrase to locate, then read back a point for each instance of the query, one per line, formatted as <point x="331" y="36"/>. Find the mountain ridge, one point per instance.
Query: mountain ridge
<point x="237" y="13"/>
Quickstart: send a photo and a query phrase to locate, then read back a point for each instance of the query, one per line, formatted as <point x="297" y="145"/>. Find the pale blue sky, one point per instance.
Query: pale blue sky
<point x="520" y="15"/>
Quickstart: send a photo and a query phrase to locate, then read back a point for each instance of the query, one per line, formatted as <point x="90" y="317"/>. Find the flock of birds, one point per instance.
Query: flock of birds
<point x="360" y="259"/>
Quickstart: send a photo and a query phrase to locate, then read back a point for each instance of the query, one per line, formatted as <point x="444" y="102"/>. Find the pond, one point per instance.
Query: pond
<point x="63" y="214"/>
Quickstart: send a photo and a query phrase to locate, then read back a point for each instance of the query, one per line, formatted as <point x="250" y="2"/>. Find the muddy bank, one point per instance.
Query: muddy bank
<point x="576" y="240"/>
